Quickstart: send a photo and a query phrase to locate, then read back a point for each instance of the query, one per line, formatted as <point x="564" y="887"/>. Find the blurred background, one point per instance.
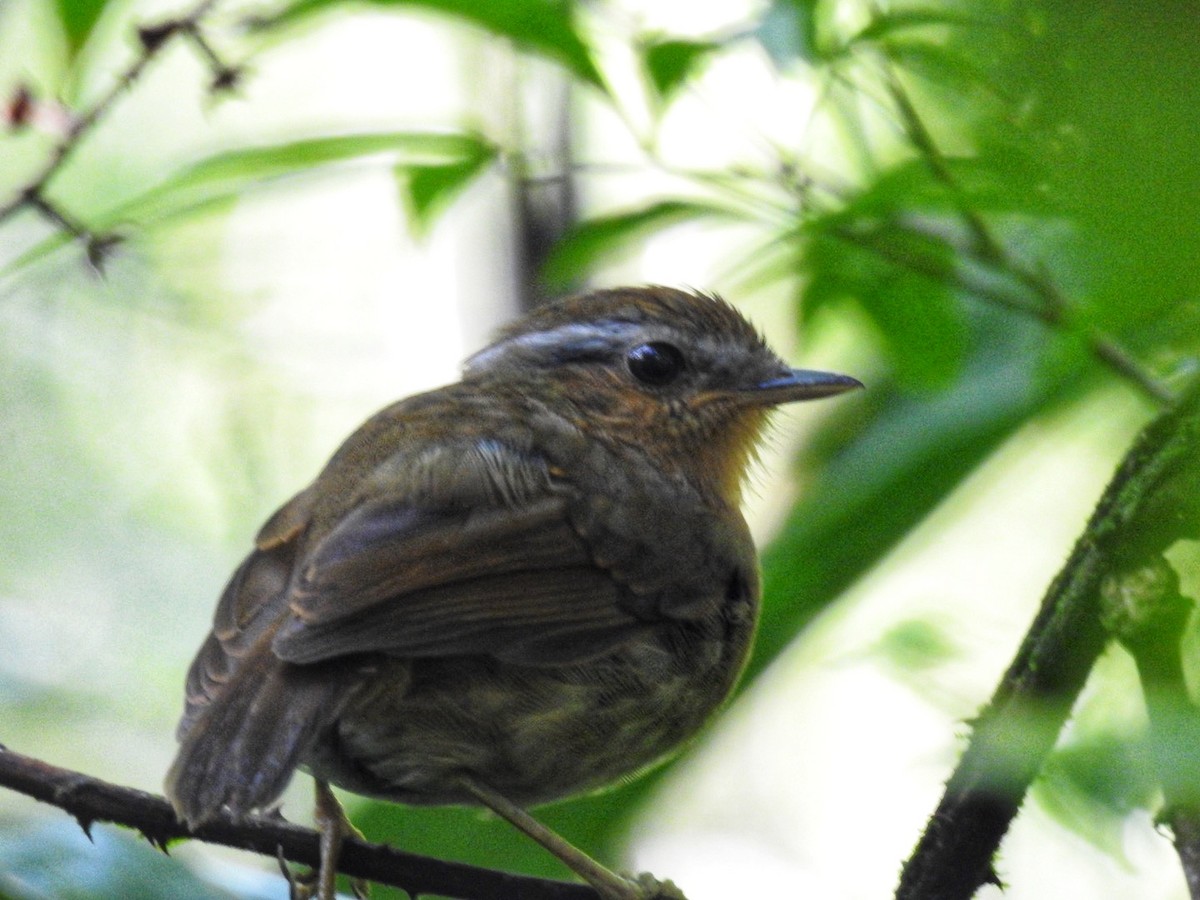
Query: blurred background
<point x="298" y="212"/>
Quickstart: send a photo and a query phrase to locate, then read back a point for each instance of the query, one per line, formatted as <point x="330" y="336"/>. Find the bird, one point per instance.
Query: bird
<point x="524" y="586"/>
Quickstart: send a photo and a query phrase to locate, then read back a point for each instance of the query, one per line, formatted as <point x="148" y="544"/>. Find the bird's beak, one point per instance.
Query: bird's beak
<point x="800" y="384"/>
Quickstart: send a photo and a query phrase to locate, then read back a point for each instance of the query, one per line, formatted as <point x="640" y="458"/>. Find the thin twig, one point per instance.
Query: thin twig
<point x="152" y="40"/>
<point x="225" y="77"/>
<point x="91" y="800"/>
<point x="988" y="247"/>
<point x="936" y="268"/>
<point x="1123" y="363"/>
<point x="58" y="217"/>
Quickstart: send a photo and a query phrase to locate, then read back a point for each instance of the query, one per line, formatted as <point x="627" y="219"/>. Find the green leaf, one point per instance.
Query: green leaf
<point x="38" y="252"/>
<point x="788" y="32"/>
<point x="1126" y="168"/>
<point x="429" y="189"/>
<point x="283" y="159"/>
<point x="914" y="645"/>
<point x="591" y="241"/>
<point x="995" y="184"/>
<point x="1091" y="787"/>
<point x="224" y="177"/>
<point x="900" y="284"/>
<point x="669" y="64"/>
<point x="775" y="260"/>
<point x="438" y="165"/>
<point x="78" y="18"/>
<point x="889" y="23"/>
<point x="923" y="328"/>
<point x="944" y="68"/>
<point x="546" y="27"/>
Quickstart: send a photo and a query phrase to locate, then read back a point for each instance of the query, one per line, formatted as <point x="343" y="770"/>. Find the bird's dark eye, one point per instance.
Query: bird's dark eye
<point x="656" y="363"/>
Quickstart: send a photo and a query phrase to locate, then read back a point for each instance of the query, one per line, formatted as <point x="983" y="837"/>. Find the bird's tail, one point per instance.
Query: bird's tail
<point x="238" y="752"/>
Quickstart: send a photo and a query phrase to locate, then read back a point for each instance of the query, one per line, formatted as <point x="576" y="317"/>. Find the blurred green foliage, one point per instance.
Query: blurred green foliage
<point x="1009" y="184"/>
<point x="78" y="18"/>
<point x="542" y="26"/>
<point x="56" y="860"/>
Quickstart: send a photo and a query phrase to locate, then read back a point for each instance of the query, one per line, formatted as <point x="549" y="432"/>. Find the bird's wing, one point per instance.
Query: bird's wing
<point x="467" y="565"/>
<point x="457" y="564"/>
<point x="405" y="580"/>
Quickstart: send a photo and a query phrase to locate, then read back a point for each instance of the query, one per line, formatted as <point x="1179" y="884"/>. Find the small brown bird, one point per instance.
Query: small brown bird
<point x="516" y="588"/>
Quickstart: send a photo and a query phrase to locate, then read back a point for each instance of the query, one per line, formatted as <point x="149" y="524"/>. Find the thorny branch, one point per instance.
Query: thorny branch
<point x="151" y="39"/>
<point x="91" y="800"/>
<point x="1152" y="501"/>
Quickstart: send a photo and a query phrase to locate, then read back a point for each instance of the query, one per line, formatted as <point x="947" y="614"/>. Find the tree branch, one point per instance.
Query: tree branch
<point x="91" y="800"/>
<point x="152" y="39"/>
<point x="1152" y="501"/>
<point x="1184" y="822"/>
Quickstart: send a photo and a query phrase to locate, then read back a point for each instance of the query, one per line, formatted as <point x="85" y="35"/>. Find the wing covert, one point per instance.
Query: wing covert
<point x="411" y="578"/>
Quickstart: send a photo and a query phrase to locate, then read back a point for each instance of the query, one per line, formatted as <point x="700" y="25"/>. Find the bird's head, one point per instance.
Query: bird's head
<point x="683" y="376"/>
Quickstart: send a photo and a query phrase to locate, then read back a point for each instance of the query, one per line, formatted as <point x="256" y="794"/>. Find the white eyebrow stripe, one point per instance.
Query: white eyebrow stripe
<point x="574" y="338"/>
